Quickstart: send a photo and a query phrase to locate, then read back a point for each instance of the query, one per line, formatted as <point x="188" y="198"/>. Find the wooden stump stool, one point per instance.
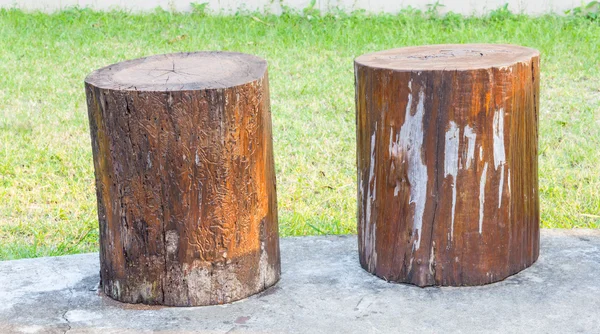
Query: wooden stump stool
<point x="185" y="178"/>
<point x="447" y="163"/>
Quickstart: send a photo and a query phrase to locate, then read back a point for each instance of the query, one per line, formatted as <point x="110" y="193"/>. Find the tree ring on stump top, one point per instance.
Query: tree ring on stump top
<point x="180" y="72"/>
<point x="448" y="57"/>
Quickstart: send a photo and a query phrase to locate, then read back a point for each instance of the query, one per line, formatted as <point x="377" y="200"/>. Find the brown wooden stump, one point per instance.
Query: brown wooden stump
<point x="185" y="178"/>
<point x="447" y="163"/>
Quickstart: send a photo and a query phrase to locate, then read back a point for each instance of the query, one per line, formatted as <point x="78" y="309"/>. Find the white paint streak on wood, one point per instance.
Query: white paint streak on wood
<point x="480" y="153"/>
<point x="371" y="176"/>
<point x="391" y="148"/>
<point x="395" y="153"/>
<point x="373" y="230"/>
<point x="432" y="259"/>
<point x="362" y="206"/>
<point x="411" y="141"/>
<point x="451" y="150"/>
<point x="470" y="136"/>
<point x="482" y="196"/>
<point x="451" y="164"/>
<point x="501" y="187"/>
<point x="369" y="235"/>
<point x="499" y="149"/>
<point x="509" y="197"/>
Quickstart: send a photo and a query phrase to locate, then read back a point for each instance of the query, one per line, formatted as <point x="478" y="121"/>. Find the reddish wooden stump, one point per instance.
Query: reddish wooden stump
<point x="185" y="178"/>
<point x="447" y="163"/>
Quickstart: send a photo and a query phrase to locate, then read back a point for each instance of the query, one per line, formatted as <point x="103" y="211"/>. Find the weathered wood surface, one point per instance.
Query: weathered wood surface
<point x="447" y="163"/>
<point x="185" y="178"/>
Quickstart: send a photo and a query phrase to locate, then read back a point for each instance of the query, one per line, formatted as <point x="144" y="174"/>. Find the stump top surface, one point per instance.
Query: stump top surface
<point x="448" y="57"/>
<point x="180" y="72"/>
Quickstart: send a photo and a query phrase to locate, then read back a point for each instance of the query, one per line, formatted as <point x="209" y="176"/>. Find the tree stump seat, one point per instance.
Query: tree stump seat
<point x="185" y="178"/>
<point x="447" y="163"/>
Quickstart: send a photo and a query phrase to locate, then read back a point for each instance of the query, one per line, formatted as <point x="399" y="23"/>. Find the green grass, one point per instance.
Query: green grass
<point x="47" y="198"/>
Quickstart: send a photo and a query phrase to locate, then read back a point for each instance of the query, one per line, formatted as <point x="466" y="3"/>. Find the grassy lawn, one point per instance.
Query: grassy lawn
<point x="47" y="197"/>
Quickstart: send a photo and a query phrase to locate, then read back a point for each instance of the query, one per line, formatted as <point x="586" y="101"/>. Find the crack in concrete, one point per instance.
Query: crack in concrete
<point x="68" y="307"/>
<point x="357" y="304"/>
<point x="64" y="317"/>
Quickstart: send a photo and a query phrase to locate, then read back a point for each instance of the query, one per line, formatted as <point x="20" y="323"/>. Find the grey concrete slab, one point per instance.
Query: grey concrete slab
<point x="322" y="290"/>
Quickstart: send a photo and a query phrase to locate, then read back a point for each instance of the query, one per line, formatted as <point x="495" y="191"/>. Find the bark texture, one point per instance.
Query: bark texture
<point x="447" y="163"/>
<point x="185" y="178"/>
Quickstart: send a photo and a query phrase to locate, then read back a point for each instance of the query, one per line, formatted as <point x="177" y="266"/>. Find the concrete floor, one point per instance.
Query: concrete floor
<point x="322" y="290"/>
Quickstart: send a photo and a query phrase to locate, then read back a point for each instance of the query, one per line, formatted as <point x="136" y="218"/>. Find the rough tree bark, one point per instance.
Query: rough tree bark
<point x="447" y="163"/>
<point x="185" y="178"/>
